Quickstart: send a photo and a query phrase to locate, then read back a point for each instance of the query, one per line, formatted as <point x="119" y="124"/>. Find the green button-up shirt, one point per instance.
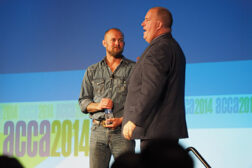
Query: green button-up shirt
<point x="100" y="82"/>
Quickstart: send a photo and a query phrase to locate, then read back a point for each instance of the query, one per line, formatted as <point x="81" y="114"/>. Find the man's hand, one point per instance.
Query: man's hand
<point x="115" y="122"/>
<point x="128" y="130"/>
<point x="105" y="103"/>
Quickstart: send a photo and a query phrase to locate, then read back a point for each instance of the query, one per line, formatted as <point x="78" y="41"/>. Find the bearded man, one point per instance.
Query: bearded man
<point x="104" y="87"/>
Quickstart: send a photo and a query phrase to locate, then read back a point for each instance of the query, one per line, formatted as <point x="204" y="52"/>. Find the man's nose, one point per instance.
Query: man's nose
<point x="142" y="24"/>
<point x="117" y="43"/>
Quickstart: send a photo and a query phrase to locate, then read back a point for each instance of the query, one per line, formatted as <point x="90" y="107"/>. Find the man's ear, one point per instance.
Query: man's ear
<point x="104" y="43"/>
<point x="160" y="25"/>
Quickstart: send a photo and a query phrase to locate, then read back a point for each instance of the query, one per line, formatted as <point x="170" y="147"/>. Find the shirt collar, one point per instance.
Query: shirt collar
<point x="124" y="60"/>
<point x="161" y="36"/>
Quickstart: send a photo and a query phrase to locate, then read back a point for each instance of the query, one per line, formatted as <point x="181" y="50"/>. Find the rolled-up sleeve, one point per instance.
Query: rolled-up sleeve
<point x="86" y="93"/>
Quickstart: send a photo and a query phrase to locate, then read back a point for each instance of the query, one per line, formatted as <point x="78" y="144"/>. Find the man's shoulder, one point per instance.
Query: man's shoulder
<point x="164" y="42"/>
<point x="163" y="39"/>
<point x="128" y="61"/>
<point x="94" y="66"/>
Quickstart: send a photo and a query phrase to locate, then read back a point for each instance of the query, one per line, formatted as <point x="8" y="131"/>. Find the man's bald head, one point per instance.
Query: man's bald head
<point x="164" y="15"/>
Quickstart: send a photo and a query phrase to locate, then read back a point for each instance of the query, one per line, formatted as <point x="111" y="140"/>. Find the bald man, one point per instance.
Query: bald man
<point x="154" y="107"/>
<point x="104" y="87"/>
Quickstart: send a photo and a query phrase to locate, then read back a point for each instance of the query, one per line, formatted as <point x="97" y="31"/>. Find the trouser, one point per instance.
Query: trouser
<point x="105" y="142"/>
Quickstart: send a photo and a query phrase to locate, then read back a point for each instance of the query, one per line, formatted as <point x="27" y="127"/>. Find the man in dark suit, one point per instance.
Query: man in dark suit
<point x="154" y="107"/>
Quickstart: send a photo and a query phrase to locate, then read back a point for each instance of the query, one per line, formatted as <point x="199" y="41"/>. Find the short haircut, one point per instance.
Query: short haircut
<point x="106" y="32"/>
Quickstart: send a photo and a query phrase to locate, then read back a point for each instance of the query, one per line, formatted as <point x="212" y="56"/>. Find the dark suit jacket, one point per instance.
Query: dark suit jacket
<point x="155" y="99"/>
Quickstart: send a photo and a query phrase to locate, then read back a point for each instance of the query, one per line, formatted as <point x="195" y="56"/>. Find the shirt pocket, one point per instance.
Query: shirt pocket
<point x="121" y="86"/>
<point x="98" y="85"/>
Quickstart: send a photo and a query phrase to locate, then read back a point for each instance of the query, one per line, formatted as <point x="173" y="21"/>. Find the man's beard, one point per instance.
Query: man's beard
<point x="116" y="54"/>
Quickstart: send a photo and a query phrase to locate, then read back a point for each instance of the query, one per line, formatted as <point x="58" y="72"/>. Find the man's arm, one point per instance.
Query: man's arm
<point x="105" y="103"/>
<point x="86" y="93"/>
<point x="155" y="72"/>
<point x="154" y="77"/>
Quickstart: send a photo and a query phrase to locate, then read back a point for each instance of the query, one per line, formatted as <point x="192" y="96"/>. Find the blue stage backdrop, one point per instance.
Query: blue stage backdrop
<point x="46" y="46"/>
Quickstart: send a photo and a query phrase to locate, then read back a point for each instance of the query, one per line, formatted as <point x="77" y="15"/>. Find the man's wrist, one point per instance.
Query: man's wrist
<point x="93" y="107"/>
